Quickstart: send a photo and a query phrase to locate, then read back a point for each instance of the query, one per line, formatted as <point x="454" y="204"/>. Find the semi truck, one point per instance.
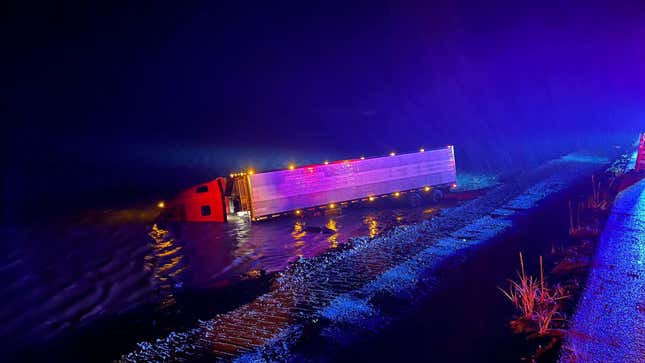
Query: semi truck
<point x="325" y="186"/>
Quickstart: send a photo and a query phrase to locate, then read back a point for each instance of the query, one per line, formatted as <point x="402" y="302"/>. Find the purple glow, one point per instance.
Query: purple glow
<point x="285" y="190"/>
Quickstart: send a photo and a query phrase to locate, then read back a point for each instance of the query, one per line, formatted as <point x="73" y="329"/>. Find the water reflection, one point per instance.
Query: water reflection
<point x="240" y="229"/>
<point x="70" y="281"/>
<point x="164" y="262"/>
<point x="299" y="230"/>
<point x="333" y="239"/>
<point x="216" y="254"/>
<point x="372" y="225"/>
<point x="430" y="211"/>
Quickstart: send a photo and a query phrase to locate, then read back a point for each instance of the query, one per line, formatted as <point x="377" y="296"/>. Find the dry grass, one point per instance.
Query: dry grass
<point x="596" y="202"/>
<point x="548" y="309"/>
<point x="523" y="293"/>
<point x="534" y="299"/>
<point x="577" y="229"/>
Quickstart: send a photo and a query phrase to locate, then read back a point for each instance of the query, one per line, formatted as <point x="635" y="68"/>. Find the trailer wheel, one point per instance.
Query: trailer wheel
<point x="436" y="196"/>
<point x="414" y="199"/>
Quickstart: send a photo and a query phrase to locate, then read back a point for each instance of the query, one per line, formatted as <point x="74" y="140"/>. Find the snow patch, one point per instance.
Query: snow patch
<point x="347" y="310"/>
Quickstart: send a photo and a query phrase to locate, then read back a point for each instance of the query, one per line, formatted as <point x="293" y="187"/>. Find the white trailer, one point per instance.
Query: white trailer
<point x="327" y="185"/>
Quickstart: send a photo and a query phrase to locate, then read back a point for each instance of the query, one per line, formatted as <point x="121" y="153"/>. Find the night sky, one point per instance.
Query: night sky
<point x="115" y="97"/>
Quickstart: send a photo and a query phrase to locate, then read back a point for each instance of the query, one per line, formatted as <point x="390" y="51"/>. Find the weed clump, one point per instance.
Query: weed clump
<point x="538" y="304"/>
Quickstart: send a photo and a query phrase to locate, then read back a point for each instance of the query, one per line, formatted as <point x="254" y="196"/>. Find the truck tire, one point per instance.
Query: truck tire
<point x="414" y="199"/>
<point x="436" y="196"/>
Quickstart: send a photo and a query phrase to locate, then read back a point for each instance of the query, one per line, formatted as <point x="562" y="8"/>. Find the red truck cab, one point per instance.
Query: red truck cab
<point x="202" y="203"/>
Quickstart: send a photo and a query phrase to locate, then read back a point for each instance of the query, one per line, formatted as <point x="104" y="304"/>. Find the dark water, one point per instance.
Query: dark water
<point x="69" y="288"/>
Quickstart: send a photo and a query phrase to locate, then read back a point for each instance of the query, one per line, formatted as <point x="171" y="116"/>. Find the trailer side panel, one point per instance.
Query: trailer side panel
<point x="317" y="185"/>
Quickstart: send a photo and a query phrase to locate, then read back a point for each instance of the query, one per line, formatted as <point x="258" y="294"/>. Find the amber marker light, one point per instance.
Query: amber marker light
<point x="161" y="204"/>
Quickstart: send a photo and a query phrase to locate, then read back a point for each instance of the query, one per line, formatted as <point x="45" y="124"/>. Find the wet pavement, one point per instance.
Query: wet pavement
<point x="609" y="324"/>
